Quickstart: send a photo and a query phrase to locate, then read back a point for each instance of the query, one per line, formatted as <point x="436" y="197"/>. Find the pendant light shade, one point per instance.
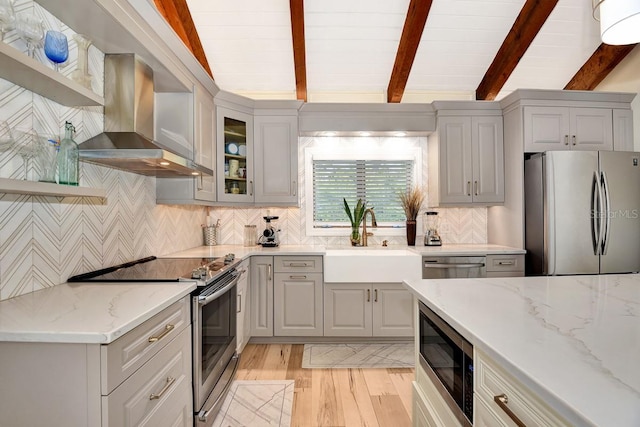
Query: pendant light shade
<point x="619" y="21"/>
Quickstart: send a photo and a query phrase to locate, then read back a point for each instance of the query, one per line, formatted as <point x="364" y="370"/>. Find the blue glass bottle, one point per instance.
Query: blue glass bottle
<point x="68" y="157"/>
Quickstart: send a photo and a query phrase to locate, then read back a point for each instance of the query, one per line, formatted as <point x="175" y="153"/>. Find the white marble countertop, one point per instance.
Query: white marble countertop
<point x="85" y="312"/>
<point x="247" y="251"/>
<point x="573" y="340"/>
<point x="467" y="249"/>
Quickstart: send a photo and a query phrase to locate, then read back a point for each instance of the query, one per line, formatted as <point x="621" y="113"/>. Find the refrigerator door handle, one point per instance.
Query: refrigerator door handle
<point x="596" y="210"/>
<point x="607" y="212"/>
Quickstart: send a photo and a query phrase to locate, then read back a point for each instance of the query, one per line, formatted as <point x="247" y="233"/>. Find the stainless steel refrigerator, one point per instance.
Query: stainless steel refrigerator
<point x="582" y="212"/>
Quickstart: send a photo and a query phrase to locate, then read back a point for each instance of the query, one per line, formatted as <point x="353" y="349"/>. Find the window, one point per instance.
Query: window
<point x="376" y="177"/>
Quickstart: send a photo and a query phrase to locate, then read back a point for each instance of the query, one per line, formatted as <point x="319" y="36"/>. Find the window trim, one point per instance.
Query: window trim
<point x="354" y="153"/>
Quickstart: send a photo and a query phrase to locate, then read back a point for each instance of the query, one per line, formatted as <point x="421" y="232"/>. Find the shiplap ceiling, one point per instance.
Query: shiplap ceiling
<point x="351" y="45"/>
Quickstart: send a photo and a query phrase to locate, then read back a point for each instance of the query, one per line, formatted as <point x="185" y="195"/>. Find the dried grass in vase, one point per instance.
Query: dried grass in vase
<point x="411" y="202"/>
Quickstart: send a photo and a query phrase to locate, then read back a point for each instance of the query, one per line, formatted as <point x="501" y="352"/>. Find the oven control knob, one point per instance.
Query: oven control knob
<point x="199" y="273"/>
<point x="229" y="258"/>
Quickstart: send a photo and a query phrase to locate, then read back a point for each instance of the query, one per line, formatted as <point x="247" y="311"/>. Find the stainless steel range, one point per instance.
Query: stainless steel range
<point x="213" y="315"/>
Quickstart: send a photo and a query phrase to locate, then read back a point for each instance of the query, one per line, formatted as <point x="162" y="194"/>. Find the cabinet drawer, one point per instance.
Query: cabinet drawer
<point x="125" y="355"/>
<point x="505" y="263"/>
<point x="491" y="381"/>
<point x="157" y="394"/>
<point x="296" y="264"/>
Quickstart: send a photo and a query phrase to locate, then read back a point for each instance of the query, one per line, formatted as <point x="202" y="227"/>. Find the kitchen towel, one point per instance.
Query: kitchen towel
<point x="395" y="355"/>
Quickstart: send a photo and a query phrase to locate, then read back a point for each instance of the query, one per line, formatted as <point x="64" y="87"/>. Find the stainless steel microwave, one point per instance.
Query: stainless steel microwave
<point x="447" y="359"/>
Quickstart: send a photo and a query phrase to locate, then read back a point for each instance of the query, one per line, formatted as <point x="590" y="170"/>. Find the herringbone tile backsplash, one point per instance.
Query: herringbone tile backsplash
<point x="457" y="225"/>
<point x="44" y="240"/>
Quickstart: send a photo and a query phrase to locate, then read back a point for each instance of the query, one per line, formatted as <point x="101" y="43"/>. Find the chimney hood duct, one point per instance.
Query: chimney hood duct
<point x="127" y="141"/>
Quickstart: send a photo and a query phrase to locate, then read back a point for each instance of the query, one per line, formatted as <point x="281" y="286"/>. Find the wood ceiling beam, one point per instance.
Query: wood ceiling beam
<point x="532" y="16"/>
<point x="296" y="8"/>
<point x="598" y="66"/>
<point x="409" y="40"/>
<point x="177" y="14"/>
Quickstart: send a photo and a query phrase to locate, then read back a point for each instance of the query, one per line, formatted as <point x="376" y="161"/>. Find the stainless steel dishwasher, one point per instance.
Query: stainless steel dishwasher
<point x="452" y="267"/>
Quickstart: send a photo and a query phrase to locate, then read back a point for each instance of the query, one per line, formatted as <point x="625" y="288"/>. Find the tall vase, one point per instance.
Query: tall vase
<point x="81" y="73"/>
<point x="355" y="236"/>
<point x="411" y="232"/>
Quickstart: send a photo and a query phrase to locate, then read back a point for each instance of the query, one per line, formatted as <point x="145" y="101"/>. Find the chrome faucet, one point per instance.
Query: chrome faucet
<point x="374" y="224"/>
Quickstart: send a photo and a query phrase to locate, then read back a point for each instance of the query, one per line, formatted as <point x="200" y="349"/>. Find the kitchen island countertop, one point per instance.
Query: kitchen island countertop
<point x="90" y="313"/>
<point x="572" y="340"/>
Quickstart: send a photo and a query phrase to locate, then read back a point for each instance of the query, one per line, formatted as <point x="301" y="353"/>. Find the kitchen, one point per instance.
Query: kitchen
<point x="48" y="240"/>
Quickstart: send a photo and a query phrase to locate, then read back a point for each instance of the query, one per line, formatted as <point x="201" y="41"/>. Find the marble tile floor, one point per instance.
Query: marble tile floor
<point x="257" y="404"/>
<point x="395" y="355"/>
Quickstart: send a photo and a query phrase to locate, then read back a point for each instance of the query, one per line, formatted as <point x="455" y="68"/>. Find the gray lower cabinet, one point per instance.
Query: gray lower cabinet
<point x="261" y="301"/>
<point x="286" y="296"/>
<point x="297" y="304"/>
<point x="103" y="385"/>
<point x="365" y="310"/>
<point x="243" y="325"/>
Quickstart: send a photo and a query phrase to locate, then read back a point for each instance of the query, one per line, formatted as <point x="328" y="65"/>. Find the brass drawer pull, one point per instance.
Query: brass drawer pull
<point x="170" y="381"/>
<point x="506" y="262"/>
<point x="502" y="401"/>
<point x="297" y="264"/>
<point x="375" y="297"/>
<point x="167" y="329"/>
<point x="368" y="295"/>
<point x="297" y="277"/>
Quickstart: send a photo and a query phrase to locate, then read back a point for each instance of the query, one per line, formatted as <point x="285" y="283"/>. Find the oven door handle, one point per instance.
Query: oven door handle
<point x="204" y="300"/>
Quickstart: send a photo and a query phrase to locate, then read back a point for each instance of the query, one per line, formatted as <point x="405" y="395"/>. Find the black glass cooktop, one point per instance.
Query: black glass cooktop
<point x="154" y="269"/>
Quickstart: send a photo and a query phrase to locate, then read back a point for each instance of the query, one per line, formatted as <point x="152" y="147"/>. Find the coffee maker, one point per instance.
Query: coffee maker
<point x="269" y="238"/>
<point x="430" y="225"/>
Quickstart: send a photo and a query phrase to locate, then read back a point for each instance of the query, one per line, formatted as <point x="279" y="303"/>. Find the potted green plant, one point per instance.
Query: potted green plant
<point x="411" y="202"/>
<point x="355" y="219"/>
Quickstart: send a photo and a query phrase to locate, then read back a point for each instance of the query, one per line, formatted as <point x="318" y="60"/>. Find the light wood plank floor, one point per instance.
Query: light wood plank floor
<point x="332" y="397"/>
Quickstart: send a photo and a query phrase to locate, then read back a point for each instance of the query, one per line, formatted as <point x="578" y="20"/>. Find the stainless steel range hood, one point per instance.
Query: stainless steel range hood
<point x="127" y="142"/>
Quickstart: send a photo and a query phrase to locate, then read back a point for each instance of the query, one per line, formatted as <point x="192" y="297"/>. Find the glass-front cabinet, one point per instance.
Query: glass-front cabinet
<point x="235" y="156"/>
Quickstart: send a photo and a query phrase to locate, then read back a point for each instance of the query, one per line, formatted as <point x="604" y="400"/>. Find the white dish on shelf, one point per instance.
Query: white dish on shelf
<point x="242" y="150"/>
<point x="232" y="148"/>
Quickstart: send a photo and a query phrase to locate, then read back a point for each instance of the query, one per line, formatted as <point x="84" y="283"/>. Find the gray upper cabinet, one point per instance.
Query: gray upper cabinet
<point x="622" y="130"/>
<point x="235" y="156"/>
<point x="567" y="128"/>
<point x="466" y="161"/>
<point x="276" y="159"/>
<point x="199" y="124"/>
<point x="204" y="143"/>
